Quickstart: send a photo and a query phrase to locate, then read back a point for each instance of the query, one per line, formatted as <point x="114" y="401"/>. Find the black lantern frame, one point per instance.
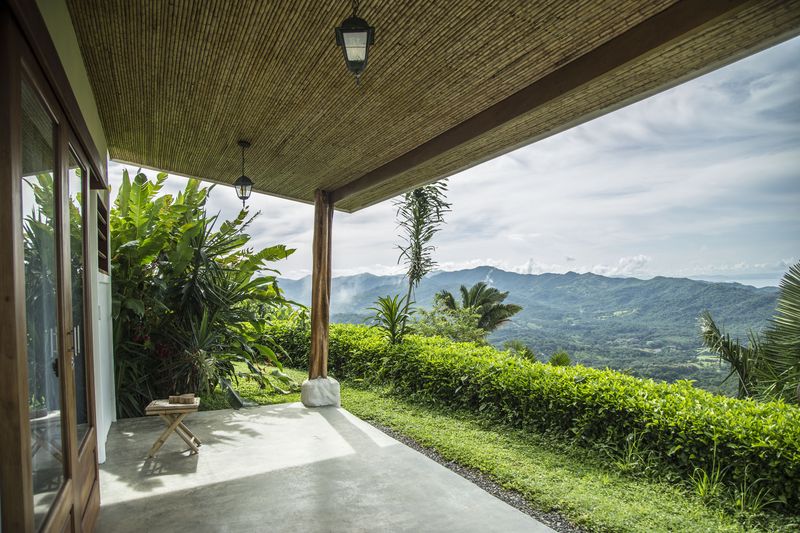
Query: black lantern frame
<point x="354" y="35"/>
<point x="243" y="185"/>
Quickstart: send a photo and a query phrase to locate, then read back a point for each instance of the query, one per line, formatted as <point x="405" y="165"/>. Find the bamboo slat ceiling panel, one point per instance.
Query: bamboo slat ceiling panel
<point x="179" y="83"/>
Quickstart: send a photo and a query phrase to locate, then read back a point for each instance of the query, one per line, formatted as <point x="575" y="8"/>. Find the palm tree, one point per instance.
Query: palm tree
<point x="779" y="376"/>
<point x="768" y="368"/>
<point x="742" y="358"/>
<point x="420" y="215"/>
<point x="487" y="301"/>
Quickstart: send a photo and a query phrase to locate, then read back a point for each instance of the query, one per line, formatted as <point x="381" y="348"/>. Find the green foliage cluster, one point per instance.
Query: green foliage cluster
<point x="480" y="311"/>
<point x="420" y="215"/>
<point x="189" y="296"/>
<point x="484" y="300"/>
<point x="457" y="324"/>
<point x="520" y="349"/>
<point x="680" y="427"/>
<point x="560" y="359"/>
<point x="769" y="366"/>
<point x="391" y="316"/>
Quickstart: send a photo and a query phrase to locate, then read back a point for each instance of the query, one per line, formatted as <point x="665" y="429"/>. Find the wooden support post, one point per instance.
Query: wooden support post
<point x="320" y="285"/>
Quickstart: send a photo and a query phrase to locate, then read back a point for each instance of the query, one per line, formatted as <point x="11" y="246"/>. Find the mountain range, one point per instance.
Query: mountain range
<point x="645" y="327"/>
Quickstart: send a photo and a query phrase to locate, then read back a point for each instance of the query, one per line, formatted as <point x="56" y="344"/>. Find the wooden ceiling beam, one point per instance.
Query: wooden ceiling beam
<point x="677" y="21"/>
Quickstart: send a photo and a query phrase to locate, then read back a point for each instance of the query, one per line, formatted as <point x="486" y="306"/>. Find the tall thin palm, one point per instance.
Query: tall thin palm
<point x="487" y="301"/>
<point x="420" y="215"/>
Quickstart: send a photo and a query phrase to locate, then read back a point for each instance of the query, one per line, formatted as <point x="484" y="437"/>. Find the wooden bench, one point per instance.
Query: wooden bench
<point x="173" y="415"/>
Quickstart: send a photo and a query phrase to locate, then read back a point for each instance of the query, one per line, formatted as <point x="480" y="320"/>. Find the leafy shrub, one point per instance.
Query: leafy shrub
<point x="520" y="349"/>
<point x="188" y="295"/>
<point x="678" y="425"/>
<point x="391" y="315"/>
<point x="460" y="324"/>
<point x="297" y="322"/>
<point x="560" y="359"/>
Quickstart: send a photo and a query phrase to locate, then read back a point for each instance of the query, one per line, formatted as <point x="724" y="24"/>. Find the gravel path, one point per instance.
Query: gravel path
<point x="513" y="498"/>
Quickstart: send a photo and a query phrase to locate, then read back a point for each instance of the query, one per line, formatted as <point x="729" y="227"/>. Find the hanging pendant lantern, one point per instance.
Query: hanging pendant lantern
<point x="355" y="36"/>
<point x="243" y="184"/>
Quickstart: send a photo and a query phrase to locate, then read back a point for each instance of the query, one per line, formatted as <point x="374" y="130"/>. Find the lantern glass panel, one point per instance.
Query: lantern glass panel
<point x="243" y="187"/>
<point x="355" y="44"/>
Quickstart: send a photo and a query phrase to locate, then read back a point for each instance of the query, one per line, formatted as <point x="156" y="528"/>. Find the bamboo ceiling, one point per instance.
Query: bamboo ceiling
<point x="178" y="83"/>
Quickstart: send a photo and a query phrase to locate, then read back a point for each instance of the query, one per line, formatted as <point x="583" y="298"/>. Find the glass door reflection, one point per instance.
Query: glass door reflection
<point x="75" y="186"/>
<point x="39" y="228"/>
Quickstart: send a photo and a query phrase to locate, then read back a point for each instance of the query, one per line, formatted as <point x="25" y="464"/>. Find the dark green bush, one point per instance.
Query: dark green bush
<point x="680" y="424"/>
<point x="560" y="359"/>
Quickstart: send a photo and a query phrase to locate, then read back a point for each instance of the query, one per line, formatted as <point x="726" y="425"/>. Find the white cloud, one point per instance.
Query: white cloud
<point x="534" y="267"/>
<point x="626" y="266"/>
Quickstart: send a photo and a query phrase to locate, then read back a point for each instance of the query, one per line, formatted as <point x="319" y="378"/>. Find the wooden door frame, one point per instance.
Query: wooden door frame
<point x="21" y="58"/>
<point x="87" y="448"/>
<point x="15" y="461"/>
<point x="18" y="490"/>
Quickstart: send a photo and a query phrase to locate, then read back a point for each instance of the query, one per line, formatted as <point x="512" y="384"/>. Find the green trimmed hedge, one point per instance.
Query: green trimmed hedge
<point x="680" y="424"/>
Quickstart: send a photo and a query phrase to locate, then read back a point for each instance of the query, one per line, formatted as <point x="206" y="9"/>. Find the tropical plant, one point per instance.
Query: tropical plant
<point x="391" y="315"/>
<point x="460" y="325"/>
<point x="420" y="215"/>
<point x="751" y="497"/>
<point x="520" y="349"/>
<point x="486" y="301"/>
<point x="769" y="366"/>
<point x="39" y="254"/>
<point x="708" y="484"/>
<point x="631" y="457"/>
<point x="741" y="358"/>
<point x="560" y="359"/>
<point x="779" y="375"/>
<point x="188" y="295"/>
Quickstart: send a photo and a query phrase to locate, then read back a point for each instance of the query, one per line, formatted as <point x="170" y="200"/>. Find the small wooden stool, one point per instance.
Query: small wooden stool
<point x="173" y="415"/>
<point x="43" y="429"/>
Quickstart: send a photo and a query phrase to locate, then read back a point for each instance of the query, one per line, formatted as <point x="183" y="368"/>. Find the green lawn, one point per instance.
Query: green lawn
<point x="583" y="485"/>
<point x="249" y="390"/>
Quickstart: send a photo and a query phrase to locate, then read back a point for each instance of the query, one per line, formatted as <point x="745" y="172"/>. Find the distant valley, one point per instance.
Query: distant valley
<point x="646" y="327"/>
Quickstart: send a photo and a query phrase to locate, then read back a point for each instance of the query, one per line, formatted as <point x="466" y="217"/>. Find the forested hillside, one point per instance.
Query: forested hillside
<point x="647" y="327"/>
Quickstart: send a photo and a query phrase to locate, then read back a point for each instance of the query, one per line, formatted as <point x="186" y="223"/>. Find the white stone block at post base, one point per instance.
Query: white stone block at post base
<point x="320" y="392"/>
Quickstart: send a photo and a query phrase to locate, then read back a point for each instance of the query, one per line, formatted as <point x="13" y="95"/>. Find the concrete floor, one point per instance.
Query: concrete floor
<point x="287" y="468"/>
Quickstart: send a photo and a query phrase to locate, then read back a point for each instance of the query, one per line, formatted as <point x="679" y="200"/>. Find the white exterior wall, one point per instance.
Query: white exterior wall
<point x="56" y="17"/>
<point x="102" y="336"/>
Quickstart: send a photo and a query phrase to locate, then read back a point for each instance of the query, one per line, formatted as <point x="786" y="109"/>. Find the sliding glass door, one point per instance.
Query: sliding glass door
<point x="39" y="237"/>
<point x="48" y="464"/>
<point x="77" y="282"/>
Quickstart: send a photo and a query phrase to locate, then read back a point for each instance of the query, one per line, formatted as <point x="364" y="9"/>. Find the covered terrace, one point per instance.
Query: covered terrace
<point x="175" y="86"/>
<point x="448" y="85"/>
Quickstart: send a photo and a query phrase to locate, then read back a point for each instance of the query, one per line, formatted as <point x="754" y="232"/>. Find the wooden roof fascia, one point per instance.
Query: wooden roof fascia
<point x="674" y="22"/>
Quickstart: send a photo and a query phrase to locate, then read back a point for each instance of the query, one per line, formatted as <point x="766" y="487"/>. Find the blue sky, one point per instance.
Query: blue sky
<point x="699" y="181"/>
